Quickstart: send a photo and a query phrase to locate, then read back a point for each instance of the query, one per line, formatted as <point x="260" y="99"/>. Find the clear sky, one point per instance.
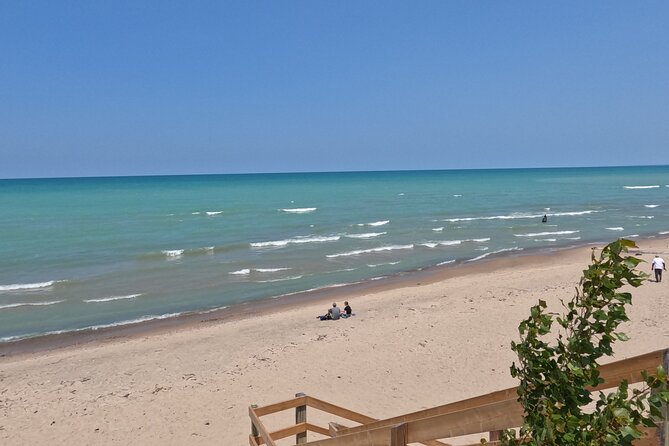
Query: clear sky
<point x="91" y="88"/>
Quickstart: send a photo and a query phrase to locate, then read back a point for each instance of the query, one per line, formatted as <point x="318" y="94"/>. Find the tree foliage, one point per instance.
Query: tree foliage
<point x="556" y="369"/>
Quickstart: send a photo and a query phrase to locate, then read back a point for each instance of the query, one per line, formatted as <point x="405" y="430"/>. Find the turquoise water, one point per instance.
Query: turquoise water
<point x="93" y="252"/>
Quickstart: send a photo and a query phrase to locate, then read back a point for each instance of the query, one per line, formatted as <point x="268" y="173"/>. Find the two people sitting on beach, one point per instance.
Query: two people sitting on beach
<point x="335" y="312"/>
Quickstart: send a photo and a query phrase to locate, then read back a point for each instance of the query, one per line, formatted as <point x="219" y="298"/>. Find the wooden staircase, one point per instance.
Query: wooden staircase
<point x="486" y="415"/>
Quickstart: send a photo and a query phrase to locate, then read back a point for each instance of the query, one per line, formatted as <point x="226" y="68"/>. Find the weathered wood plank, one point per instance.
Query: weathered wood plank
<point x="338" y="411"/>
<point x="261" y="428"/>
<point x="278" y="407"/>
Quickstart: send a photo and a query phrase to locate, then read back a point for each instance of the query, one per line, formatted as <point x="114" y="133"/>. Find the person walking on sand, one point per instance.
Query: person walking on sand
<point x="657" y="266"/>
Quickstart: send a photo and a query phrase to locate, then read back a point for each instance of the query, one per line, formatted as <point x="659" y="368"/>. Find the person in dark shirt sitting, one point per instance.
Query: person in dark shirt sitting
<point x="347" y="310"/>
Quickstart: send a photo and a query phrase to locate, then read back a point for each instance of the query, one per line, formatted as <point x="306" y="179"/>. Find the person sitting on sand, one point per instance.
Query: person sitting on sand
<point x="333" y="313"/>
<point x="347" y="310"/>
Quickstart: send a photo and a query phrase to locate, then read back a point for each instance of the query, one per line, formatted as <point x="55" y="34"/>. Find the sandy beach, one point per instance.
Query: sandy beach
<point x="422" y="342"/>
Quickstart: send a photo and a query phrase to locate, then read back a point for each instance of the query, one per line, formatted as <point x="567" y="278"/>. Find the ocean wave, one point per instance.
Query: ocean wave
<point x="438" y="229"/>
<point x="539" y="234"/>
<point x="369" y="251"/>
<point x="632" y="236"/>
<point x="375" y="223"/>
<point x="650" y="205"/>
<point x="298" y="210"/>
<point x="617" y="228"/>
<point x="520" y="215"/>
<point x="446" y="262"/>
<point x="282" y="279"/>
<point x="642" y="187"/>
<point x="112" y="298"/>
<point x="382" y="264"/>
<point x="482" y="256"/>
<point x="29" y="304"/>
<point x="457" y="195"/>
<point x="295" y="240"/>
<point x="641" y="216"/>
<point x="28" y="286"/>
<point x="270" y="270"/>
<point x="367" y="235"/>
<point x="663" y="232"/>
<point x="173" y="252"/>
<point x="545" y="240"/>
<point x="210" y="213"/>
<point x="241" y="272"/>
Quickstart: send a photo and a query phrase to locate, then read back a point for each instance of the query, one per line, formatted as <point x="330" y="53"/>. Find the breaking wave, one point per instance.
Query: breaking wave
<point x="642" y="187"/>
<point x="295" y="240"/>
<point x="369" y="251"/>
<point x="298" y="210"/>
<point x="29" y="304"/>
<point x="540" y="234"/>
<point x="112" y="298"/>
<point x="28" y="286"/>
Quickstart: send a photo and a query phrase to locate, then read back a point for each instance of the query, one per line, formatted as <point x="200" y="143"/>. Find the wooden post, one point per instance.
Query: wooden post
<point x="495" y="436"/>
<point x="254" y="429"/>
<point x="300" y="417"/>
<point x="399" y="435"/>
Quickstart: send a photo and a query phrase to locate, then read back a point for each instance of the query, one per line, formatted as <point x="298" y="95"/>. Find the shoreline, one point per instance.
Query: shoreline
<point x="261" y="307"/>
<point x="441" y="336"/>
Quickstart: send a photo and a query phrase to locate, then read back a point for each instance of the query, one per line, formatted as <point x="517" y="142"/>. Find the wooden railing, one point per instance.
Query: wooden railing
<point x="486" y="414"/>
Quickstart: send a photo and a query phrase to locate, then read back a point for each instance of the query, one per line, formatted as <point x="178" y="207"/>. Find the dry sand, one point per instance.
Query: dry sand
<point x="407" y="348"/>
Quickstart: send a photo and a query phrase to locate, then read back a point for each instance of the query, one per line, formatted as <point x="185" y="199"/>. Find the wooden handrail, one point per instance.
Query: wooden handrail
<point x="493" y="412"/>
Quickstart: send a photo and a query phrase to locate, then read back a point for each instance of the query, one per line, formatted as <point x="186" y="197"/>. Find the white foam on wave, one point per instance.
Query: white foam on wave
<point x="515" y="216"/>
<point x="446" y="262"/>
<point x="573" y="238"/>
<point x="457" y="195"/>
<point x="369" y="251"/>
<point x="545" y="240"/>
<point x="382" y="264"/>
<point x="29" y="304"/>
<point x="173" y="252"/>
<point x="282" y="279"/>
<point x="663" y="232"/>
<point x="241" y="272"/>
<point x="298" y="210"/>
<point x="375" y="223"/>
<point x="539" y="234"/>
<point x="641" y="216"/>
<point x="482" y="256"/>
<point x="617" y="228"/>
<point x="367" y="235"/>
<point x="196" y="213"/>
<point x="654" y="186"/>
<point x="438" y="229"/>
<point x="650" y="205"/>
<point x="632" y="236"/>
<point x="295" y="240"/>
<point x="270" y="270"/>
<point x="28" y="286"/>
<point x="429" y="244"/>
<point x="112" y="298"/>
<point x="210" y="213"/>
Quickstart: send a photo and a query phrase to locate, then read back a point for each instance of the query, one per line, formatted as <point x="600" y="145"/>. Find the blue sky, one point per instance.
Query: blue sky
<point x="143" y="88"/>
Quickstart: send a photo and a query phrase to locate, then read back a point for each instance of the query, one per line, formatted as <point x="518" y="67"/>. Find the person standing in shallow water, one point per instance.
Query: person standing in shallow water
<point x="657" y="266"/>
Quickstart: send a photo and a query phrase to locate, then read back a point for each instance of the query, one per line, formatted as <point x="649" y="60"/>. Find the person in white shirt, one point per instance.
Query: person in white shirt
<point x="657" y="266"/>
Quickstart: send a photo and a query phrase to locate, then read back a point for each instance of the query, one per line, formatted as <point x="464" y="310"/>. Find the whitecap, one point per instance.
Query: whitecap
<point x="196" y="213"/>
<point x="642" y="187"/>
<point x="482" y="256"/>
<point x="375" y="223"/>
<point x="663" y="232"/>
<point x="539" y="234"/>
<point x="429" y="244"/>
<point x="641" y="216"/>
<point x="210" y="213"/>
<point x="173" y="252"/>
<point x="438" y="229"/>
<point x="617" y="228"/>
<point x="457" y="195"/>
<point x="27" y="286"/>
<point x="298" y="210"/>
<point x="369" y="251"/>
<point x="367" y="235"/>
<point x="446" y="262"/>
<point x="112" y="298"/>
<point x="241" y="272"/>
<point x="270" y="270"/>
<point x="382" y="264"/>
<point x="515" y="216"/>
<point x="545" y="240"/>
<point x="651" y="205"/>
<point x="296" y="240"/>
<point x="30" y="304"/>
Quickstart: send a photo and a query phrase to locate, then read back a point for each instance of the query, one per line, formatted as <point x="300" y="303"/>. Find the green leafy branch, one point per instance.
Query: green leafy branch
<point x="556" y="372"/>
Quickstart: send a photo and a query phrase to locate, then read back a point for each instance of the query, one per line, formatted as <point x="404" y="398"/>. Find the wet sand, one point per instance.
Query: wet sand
<point x="416" y="341"/>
